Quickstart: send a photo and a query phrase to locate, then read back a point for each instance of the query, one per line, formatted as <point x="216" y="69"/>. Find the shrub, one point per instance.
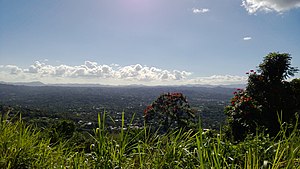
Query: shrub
<point x="170" y="111"/>
<point x="243" y="114"/>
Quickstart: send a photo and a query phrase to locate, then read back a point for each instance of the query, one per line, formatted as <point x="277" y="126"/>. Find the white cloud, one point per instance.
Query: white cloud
<point x="219" y="80"/>
<point x="92" y="72"/>
<point x="253" y="6"/>
<point x="145" y="73"/>
<point x="203" y="10"/>
<point x="247" y="38"/>
<point x="14" y="70"/>
<point x="91" y="65"/>
<point x="114" y="65"/>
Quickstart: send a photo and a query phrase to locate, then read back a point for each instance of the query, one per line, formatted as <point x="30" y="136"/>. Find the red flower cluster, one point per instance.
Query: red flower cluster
<point x="175" y="94"/>
<point x="240" y="97"/>
<point x="251" y="72"/>
<point x="148" y="108"/>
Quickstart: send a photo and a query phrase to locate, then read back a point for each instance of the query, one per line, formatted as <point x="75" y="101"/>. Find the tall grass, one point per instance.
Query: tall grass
<point x="195" y="149"/>
<point x="25" y="147"/>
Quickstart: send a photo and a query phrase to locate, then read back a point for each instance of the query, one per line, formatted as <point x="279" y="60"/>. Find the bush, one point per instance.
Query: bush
<point x="243" y="114"/>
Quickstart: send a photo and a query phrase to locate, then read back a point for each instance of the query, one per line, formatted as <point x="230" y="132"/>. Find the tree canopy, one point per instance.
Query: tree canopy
<point x="170" y="110"/>
<point x="269" y="96"/>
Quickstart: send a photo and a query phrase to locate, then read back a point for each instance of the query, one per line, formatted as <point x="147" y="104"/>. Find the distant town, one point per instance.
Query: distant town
<point x="43" y="104"/>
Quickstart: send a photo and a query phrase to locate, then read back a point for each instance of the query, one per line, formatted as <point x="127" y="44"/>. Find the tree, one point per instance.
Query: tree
<point x="170" y="110"/>
<point x="271" y="97"/>
<point x="276" y="67"/>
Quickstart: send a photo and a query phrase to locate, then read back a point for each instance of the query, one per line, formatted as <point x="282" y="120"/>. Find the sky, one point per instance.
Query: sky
<point x="149" y="42"/>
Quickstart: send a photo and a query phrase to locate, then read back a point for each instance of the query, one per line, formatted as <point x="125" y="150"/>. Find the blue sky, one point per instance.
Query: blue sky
<point x="148" y="42"/>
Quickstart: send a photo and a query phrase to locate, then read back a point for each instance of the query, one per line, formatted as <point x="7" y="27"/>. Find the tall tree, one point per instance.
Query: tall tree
<point x="274" y="97"/>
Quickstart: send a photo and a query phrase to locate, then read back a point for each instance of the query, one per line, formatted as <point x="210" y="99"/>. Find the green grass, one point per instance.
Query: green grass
<point x="23" y="146"/>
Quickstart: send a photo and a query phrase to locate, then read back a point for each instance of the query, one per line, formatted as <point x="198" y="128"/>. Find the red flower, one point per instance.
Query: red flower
<point x="176" y="94"/>
<point x="148" y="109"/>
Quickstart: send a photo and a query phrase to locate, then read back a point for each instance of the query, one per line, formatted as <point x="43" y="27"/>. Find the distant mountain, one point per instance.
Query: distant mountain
<point x="234" y="86"/>
<point x="38" y="83"/>
<point x="215" y="86"/>
<point x="35" y="83"/>
<point x="78" y="85"/>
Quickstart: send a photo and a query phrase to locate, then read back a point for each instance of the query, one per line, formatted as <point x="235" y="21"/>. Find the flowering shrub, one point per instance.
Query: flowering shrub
<point x="170" y="110"/>
<point x="243" y="114"/>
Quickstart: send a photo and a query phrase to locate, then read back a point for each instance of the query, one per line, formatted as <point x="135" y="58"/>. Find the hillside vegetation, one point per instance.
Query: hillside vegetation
<point x="23" y="146"/>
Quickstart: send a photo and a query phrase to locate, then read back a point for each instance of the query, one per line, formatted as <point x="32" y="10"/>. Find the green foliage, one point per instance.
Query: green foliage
<point x="277" y="67"/>
<point x="24" y="147"/>
<point x="61" y="131"/>
<point x="243" y="114"/>
<point x="266" y="98"/>
<point x="170" y="111"/>
<point x="295" y="85"/>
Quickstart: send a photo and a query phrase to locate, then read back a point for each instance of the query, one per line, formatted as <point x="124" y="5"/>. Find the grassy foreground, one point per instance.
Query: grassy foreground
<point x="26" y="147"/>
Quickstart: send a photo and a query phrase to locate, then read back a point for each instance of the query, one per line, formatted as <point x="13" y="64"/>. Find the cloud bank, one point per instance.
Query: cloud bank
<point x="92" y="72"/>
<point x="253" y="6"/>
